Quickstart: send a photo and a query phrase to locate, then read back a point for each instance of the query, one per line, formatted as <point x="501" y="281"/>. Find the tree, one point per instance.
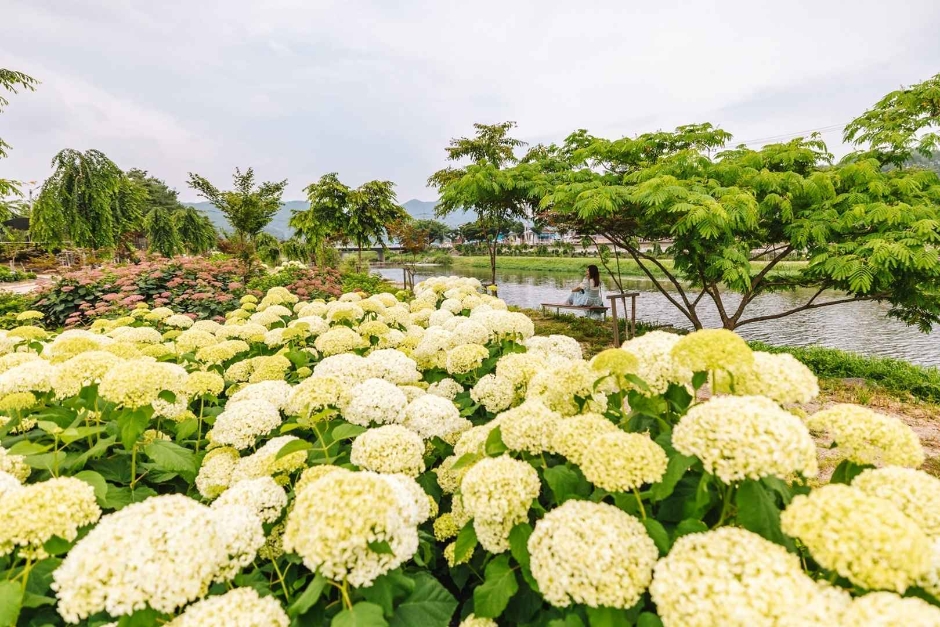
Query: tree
<point x="169" y="226"/>
<point x="870" y="233"/>
<point x="436" y="230"/>
<point x="11" y="81"/>
<point x="87" y="201"/>
<point x="247" y="208"/>
<point x="485" y="185"/>
<point x="893" y="127"/>
<point x="362" y="215"/>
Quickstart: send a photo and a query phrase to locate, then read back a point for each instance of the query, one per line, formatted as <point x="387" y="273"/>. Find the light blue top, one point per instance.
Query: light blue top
<point x="591" y="296"/>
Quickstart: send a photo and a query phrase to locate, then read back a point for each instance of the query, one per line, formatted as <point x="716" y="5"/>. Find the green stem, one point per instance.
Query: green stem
<point x="202" y="404"/>
<point x="133" y="466"/>
<point x="725" y="506"/>
<point x="55" y="455"/>
<point x="280" y="578"/>
<point x="323" y="445"/>
<point x="639" y="502"/>
<point x="25" y="575"/>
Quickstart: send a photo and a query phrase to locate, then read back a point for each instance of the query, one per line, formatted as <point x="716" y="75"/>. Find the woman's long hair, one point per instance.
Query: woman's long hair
<point x="595" y="275"/>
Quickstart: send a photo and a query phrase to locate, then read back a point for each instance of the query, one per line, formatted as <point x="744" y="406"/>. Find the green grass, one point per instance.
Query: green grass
<point x="898" y="378"/>
<point x="628" y="267"/>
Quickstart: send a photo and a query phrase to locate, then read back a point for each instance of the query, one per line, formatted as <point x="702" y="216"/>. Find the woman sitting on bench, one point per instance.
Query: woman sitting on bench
<point x="588" y="293"/>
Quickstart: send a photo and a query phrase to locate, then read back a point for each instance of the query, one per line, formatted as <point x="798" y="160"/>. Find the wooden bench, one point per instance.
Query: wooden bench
<point x="601" y="309"/>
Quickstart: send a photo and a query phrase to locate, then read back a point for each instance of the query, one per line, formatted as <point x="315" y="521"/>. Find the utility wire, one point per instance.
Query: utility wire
<point x="783" y="136"/>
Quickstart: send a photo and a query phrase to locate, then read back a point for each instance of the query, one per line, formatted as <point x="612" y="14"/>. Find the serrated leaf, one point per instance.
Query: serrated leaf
<point x="675" y="470"/>
<point x="519" y="549"/>
<point x="11" y="600"/>
<point x="131" y="424"/>
<point x="758" y="512"/>
<point x="347" y="431"/>
<point x="648" y="619"/>
<point x="690" y="525"/>
<point x="186" y="428"/>
<point x="465" y="543"/>
<point x="362" y="614"/>
<point x="118" y="498"/>
<point x="659" y="535"/>
<point x="428" y="605"/>
<point x="387" y="589"/>
<point x="292" y="447"/>
<point x="563" y="482"/>
<point x="608" y="617"/>
<point x="492" y="596"/>
<point x="171" y="457"/>
<point x="494" y="444"/>
<point x="382" y="547"/>
<point x="466" y="459"/>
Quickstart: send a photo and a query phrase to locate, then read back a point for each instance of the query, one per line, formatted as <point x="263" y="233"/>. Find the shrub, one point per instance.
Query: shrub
<point x="307" y="283"/>
<point x="584" y="497"/>
<point x="193" y="284"/>
<point x="364" y="282"/>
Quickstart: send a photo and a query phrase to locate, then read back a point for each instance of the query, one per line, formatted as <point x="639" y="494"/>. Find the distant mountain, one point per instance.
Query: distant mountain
<point x="279" y="228"/>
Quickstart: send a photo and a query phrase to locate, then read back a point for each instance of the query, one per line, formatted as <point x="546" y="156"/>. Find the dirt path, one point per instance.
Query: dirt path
<point x="25" y="287"/>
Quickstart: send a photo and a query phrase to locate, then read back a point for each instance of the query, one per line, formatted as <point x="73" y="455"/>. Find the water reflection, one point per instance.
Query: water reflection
<point x="860" y="327"/>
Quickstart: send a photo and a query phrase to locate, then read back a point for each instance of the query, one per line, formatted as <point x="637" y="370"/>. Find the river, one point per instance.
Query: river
<point x="858" y="327"/>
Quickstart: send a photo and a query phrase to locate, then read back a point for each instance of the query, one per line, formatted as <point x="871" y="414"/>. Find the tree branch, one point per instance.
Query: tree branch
<point x="809" y="305"/>
<point x="758" y="279"/>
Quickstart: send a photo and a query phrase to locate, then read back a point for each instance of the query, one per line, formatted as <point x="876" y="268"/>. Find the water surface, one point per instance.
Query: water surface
<point x="860" y="327"/>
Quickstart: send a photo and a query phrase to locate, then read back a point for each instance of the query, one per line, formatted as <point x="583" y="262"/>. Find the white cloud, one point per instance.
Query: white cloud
<point x="376" y="89"/>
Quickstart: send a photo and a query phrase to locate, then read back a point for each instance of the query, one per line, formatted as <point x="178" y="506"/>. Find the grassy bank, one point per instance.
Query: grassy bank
<point x="628" y="267"/>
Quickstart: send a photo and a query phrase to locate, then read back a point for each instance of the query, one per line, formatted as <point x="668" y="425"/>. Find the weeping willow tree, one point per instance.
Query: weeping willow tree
<point x="88" y="201"/>
<point x="162" y="235"/>
<point x="268" y="249"/>
<point x="196" y="233"/>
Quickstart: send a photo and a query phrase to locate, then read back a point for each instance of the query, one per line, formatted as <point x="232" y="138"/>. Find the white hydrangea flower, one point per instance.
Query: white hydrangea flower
<point x="394" y="366"/>
<point x="913" y="492"/>
<point x="215" y="473"/>
<point x="867" y="437"/>
<point x="465" y="358"/>
<point x="621" y="462"/>
<point x="861" y="537"/>
<point x="264" y="462"/>
<point x="241" y="423"/>
<point x="138" y="382"/>
<point x="347" y="368"/>
<point x="746" y="437"/>
<point x="375" y="401"/>
<point x="389" y="449"/>
<point x="883" y="609"/>
<point x="163" y="552"/>
<point x="592" y="554"/>
<point x="657" y="367"/>
<point x="339" y="340"/>
<point x="557" y="345"/>
<point x="240" y="607"/>
<point x="277" y="392"/>
<point x="261" y="495"/>
<point x="528" y="427"/>
<point x="781" y="377"/>
<point x="494" y="392"/>
<point x="179" y="321"/>
<point x="338" y="520"/>
<point x="497" y="492"/>
<point x="31" y="376"/>
<point x="434" y="416"/>
<point x="445" y="388"/>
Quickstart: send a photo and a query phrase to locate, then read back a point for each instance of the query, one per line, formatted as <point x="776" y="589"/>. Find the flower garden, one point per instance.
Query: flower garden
<point x="424" y="459"/>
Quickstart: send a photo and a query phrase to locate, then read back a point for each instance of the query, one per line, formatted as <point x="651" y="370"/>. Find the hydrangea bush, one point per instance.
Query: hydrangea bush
<point x="425" y="460"/>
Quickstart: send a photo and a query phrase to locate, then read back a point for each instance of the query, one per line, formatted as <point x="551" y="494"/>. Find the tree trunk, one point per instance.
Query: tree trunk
<point x="359" y="261"/>
<point x="492" y="252"/>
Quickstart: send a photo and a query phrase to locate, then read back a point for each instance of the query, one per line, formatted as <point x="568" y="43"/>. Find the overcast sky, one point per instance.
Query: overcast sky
<point x="298" y="88"/>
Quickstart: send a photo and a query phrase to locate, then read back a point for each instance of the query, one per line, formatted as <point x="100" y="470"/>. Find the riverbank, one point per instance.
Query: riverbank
<point x="628" y="267"/>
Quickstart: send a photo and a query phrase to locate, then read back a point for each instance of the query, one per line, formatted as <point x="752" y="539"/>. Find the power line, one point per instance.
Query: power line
<point x="772" y="138"/>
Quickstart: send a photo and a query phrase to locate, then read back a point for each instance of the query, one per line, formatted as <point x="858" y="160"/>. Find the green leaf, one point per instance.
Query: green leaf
<point x="494" y="444"/>
<point x="73" y="434"/>
<point x="56" y="545"/>
<point x="563" y="482"/>
<point x="678" y="465"/>
<point x="491" y="597"/>
<point x="347" y="431"/>
<point x="131" y="424"/>
<point x="118" y="498"/>
<point x="846" y="471"/>
<point x="168" y="396"/>
<point x="292" y="447"/>
<point x="465" y="542"/>
<point x="699" y="379"/>
<point x="361" y="614"/>
<point x="519" y="549"/>
<point x="467" y="459"/>
<point x="690" y="525"/>
<point x="648" y="619"/>
<point x="758" y="512"/>
<point x="608" y="617"/>
<point x="571" y="620"/>
<point x="387" y="589"/>
<point x="382" y="547"/>
<point x="659" y="535"/>
<point x="308" y="598"/>
<point x="428" y="605"/>
<point x="172" y="457"/>
<point x="146" y="617"/>
<point x="186" y="428"/>
<point x="11" y="600"/>
<point x="96" y="481"/>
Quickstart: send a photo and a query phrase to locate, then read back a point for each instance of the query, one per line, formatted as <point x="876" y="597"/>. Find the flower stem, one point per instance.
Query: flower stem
<point x="280" y="578"/>
<point x="202" y="404"/>
<point x="639" y="502"/>
<point x="725" y="505"/>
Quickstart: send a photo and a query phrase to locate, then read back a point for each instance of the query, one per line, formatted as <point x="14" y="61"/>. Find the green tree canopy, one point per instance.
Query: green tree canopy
<point x="486" y="185"/>
<point x="436" y="231"/>
<point x="169" y="226"/>
<point x="247" y="208"/>
<point x="11" y="81"/>
<point x="359" y="215"/>
<point x="87" y="201"/>
<point x="893" y="128"/>
<point x="869" y="233"/>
